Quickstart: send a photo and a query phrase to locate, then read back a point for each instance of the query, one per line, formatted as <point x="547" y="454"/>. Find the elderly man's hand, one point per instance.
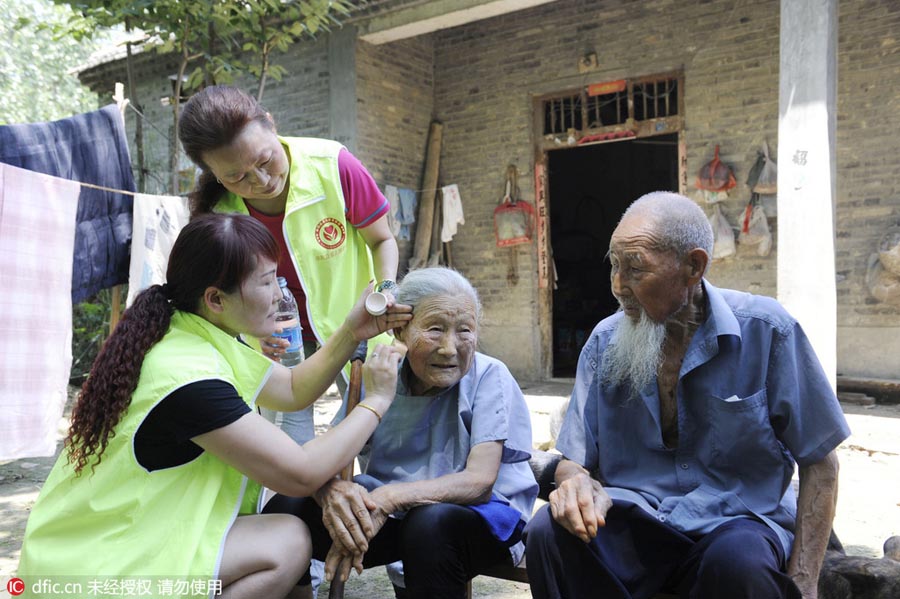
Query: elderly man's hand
<point x="345" y="514"/>
<point x="579" y="504"/>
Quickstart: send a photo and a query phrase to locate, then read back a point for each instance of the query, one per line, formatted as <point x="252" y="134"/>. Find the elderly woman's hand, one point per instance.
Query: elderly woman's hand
<point x="365" y="326"/>
<point x="341" y="559"/>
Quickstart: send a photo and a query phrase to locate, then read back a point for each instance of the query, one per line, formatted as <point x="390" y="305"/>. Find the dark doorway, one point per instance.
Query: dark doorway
<point x="589" y="189"/>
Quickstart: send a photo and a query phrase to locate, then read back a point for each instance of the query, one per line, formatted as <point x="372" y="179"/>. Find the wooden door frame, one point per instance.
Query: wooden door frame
<point x="542" y="147"/>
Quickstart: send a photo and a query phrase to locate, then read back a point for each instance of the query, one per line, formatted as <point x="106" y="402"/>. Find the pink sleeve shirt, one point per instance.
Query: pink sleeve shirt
<point x="363" y="201"/>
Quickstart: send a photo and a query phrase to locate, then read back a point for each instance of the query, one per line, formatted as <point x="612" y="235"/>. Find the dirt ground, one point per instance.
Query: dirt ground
<point x="868" y="506"/>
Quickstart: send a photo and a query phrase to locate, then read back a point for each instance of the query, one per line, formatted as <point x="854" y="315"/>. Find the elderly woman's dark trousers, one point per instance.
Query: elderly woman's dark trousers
<point x="442" y="545"/>
<point x="634" y="557"/>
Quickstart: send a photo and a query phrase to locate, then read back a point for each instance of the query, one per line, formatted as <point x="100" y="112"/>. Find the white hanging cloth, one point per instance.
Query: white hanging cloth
<point x="155" y="226"/>
<point x="37" y="240"/>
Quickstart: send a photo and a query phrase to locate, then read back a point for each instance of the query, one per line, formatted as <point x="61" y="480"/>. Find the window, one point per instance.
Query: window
<point x="614" y="104"/>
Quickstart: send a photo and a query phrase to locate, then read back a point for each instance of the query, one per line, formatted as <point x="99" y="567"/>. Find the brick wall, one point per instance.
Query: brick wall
<point x="486" y="72"/>
<point x="868" y="181"/>
<point x="299" y="103"/>
<point x="479" y="80"/>
<point x="395" y="97"/>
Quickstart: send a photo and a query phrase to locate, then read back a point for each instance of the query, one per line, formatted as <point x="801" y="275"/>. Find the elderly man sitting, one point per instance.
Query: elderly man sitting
<point x="691" y="406"/>
<point x="446" y="485"/>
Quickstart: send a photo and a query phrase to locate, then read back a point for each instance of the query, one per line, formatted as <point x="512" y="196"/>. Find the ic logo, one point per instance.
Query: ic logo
<point x="330" y="233"/>
<point x="15" y="586"/>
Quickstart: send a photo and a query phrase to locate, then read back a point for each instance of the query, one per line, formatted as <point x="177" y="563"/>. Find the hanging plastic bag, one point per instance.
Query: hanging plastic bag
<point x="710" y="197"/>
<point x="763" y="177"/>
<point x="755" y="230"/>
<point x="723" y="234"/>
<point x="715" y="175"/>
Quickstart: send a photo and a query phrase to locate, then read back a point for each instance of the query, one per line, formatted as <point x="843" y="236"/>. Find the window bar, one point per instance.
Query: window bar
<point x="644" y="98"/>
<point x="618" y="107"/>
<point x="655" y="99"/>
<point x="587" y="109"/>
<point x="668" y="94"/>
<point x="552" y="115"/>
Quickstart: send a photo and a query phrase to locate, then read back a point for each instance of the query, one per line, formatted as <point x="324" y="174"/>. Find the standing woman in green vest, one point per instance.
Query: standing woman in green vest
<point x="318" y="201"/>
<point x="159" y="486"/>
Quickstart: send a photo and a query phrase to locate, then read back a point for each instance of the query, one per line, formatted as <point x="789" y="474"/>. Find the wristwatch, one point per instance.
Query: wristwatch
<point x="386" y="285"/>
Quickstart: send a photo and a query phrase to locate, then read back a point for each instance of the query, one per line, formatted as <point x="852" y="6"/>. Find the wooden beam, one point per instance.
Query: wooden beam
<point x="425" y="217"/>
<point x="883" y="390"/>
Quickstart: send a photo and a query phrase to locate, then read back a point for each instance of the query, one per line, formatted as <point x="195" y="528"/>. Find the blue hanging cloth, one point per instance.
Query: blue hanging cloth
<point x="90" y="148"/>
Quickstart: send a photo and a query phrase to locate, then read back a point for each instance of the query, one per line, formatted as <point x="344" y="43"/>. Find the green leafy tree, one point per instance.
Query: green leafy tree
<point x="36" y="79"/>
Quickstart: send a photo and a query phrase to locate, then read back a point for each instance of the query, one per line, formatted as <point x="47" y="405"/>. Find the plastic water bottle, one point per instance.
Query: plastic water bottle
<point x="288" y="318"/>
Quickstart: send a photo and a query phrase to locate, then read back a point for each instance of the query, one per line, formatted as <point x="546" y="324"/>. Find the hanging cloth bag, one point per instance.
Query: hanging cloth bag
<point x="513" y="218"/>
<point x="715" y="175"/>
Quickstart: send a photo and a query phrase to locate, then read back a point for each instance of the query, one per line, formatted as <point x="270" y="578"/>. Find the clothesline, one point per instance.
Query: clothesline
<point x="136" y="193"/>
<point x="149" y="122"/>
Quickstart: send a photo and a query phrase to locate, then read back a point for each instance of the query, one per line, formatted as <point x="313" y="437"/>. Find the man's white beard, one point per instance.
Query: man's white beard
<point x="634" y="353"/>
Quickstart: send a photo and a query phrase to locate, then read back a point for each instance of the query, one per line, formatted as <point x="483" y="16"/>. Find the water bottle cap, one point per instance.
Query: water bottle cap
<point x="376" y="304"/>
<point x="282" y="282"/>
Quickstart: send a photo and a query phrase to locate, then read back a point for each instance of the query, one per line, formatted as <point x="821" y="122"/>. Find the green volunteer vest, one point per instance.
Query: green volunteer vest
<point x="123" y="521"/>
<point x="331" y="257"/>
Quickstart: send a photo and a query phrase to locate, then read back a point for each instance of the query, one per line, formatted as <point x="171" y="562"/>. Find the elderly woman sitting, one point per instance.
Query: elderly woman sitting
<point x="446" y="485"/>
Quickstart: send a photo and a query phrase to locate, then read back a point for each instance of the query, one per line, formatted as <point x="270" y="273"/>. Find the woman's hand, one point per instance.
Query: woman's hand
<point x="381" y="369"/>
<point x="365" y="326"/>
<point x="272" y="347"/>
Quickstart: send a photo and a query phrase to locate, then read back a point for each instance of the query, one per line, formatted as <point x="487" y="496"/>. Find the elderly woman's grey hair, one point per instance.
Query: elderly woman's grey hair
<point x="425" y="283"/>
<point x="680" y="222"/>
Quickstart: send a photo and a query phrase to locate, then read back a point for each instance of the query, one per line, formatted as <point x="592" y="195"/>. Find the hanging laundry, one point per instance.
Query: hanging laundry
<point x="89" y="148"/>
<point x="393" y="198"/>
<point x="37" y="236"/>
<point x="452" y="210"/>
<point x="406" y="215"/>
<point x="157" y="222"/>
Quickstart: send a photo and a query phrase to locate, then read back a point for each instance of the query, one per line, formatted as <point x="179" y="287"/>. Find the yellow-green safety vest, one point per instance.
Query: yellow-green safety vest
<point x="120" y="522"/>
<point x="331" y="257"/>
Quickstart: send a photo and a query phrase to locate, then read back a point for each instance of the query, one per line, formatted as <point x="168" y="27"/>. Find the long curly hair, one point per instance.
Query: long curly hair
<point x="213" y="250"/>
<point x="210" y="120"/>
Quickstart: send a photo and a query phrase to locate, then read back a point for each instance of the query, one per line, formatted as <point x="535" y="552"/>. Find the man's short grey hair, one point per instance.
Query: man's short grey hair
<point x="680" y="223"/>
<point x="424" y="283"/>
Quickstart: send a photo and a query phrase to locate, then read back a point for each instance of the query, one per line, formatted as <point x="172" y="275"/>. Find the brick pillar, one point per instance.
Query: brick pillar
<point x="342" y="86"/>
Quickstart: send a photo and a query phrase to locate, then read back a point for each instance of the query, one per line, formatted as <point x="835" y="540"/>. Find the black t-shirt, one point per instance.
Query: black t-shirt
<point x="164" y="438"/>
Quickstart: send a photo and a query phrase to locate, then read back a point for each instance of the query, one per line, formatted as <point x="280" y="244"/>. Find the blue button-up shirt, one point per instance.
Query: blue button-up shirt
<point x="752" y="400"/>
<point x="422" y="438"/>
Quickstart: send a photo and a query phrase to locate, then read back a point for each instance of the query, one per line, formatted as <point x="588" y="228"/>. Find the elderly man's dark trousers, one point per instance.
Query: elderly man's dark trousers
<point x="635" y="556"/>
